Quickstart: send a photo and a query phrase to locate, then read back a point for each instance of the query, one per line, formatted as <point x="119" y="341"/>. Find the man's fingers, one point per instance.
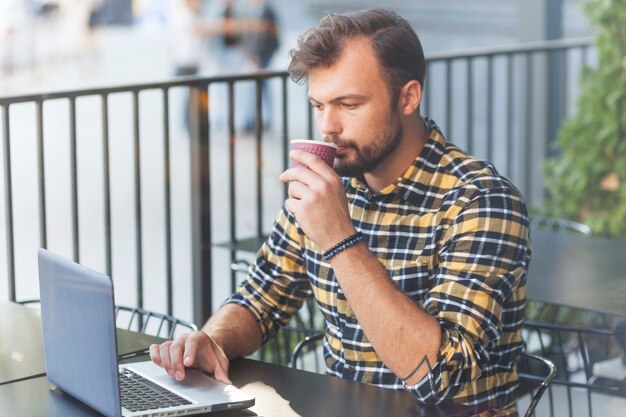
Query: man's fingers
<point x="220" y="370"/>
<point x="221" y="373"/>
<point x="176" y="358"/>
<point x="165" y="357"/>
<point x="155" y="354"/>
<point x="296" y="190"/>
<point x="191" y="350"/>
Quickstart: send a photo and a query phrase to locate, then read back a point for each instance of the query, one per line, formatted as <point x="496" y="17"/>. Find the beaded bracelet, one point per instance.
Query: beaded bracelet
<point x="343" y="245"/>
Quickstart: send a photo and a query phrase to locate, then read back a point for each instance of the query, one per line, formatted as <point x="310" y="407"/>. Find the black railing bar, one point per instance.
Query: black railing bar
<point x="158" y="85"/>
<point x="266" y="74"/>
<point x="43" y="237"/>
<point x="569" y="387"/>
<point x="138" y="219"/>
<point x="207" y="231"/>
<point x="259" y="157"/>
<point x="564" y="81"/>
<point x="584" y="353"/>
<point x="285" y="133"/>
<point x="470" y="106"/>
<point x="528" y="130"/>
<point x="548" y="59"/>
<point x="448" y="97"/>
<point x="489" y="113"/>
<point x="106" y="165"/>
<point x="200" y="169"/>
<point x="515" y="49"/>
<point x="167" y="201"/>
<point x="8" y="201"/>
<point x="74" y="179"/>
<point x="510" y="68"/>
<point x="231" y="171"/>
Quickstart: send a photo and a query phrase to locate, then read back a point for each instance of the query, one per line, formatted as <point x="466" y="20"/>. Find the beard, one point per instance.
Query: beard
<point x="370" y="156"/>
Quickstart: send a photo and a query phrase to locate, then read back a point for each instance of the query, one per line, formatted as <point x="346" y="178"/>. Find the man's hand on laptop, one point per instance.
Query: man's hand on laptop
<point x="195" y="349"/>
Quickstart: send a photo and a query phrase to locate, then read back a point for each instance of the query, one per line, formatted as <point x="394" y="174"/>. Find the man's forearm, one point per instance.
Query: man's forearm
<point x="405" y="337"/>
<point x="235" y="329"/>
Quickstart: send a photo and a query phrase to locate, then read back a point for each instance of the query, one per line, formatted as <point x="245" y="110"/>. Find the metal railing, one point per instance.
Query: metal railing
<point x="93" y="156"/>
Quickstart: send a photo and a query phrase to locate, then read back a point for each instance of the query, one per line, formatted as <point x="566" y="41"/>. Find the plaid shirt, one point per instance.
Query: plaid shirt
<point x="453" y="235"/>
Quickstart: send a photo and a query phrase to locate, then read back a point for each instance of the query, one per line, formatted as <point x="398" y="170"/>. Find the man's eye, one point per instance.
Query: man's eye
<point x="349" y="106"/>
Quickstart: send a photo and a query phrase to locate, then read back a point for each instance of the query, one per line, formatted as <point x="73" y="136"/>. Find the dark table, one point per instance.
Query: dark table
<point x="21" y="342"/>
<point x="279" y="391"/>
<point x="578" y="271"/>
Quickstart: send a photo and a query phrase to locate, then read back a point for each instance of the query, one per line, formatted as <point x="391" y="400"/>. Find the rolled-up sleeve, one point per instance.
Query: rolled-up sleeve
<point x="482" y="263"/>
<point x="276" y="285"/>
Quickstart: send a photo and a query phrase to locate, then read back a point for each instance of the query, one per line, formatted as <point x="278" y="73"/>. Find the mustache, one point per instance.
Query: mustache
<point x="344" y="143"/>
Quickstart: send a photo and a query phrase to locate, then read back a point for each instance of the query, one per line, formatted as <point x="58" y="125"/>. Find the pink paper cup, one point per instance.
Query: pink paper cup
<point x="326" y="151"/>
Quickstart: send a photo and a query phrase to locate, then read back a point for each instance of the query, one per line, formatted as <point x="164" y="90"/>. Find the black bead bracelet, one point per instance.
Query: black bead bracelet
<point x="343" y="245"/>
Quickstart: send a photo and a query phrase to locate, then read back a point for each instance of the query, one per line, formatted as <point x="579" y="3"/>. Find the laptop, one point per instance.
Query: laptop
<point x="80" y="347"/>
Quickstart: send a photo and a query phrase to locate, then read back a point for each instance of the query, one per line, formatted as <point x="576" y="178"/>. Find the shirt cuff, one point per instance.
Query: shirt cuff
<point x="259" y="315"/>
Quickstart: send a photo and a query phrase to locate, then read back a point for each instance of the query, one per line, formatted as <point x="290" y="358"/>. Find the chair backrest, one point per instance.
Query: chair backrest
<point x="305" y="322"/>
<point x="584" y="346"/>
<point x="309" y="345"/>
<point x="535" y="375"/>
<point x="149" y="322"/>
<point x="559" y="225"/>
<point x="142" y="321"/>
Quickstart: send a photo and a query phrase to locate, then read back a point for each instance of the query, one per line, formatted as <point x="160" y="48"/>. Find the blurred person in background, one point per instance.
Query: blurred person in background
<point x="190" y="31"/>
<point x="261" y="42"/>
<point x="237" y="50"/>
<point x="15" y="35"/>
<point x="187" y="48"/>
<point x="187" y="40"/>
<point x="77" y="27"/>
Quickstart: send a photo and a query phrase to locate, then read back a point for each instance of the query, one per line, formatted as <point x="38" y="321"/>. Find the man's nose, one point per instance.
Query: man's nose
<point x="329" y="123"/>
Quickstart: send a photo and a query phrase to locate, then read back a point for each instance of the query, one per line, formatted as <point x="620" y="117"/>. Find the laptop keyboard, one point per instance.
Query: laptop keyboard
<point x="140" y="394"/>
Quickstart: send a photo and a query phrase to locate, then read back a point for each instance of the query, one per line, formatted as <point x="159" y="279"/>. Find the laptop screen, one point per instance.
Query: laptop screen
<point x="78" y="319"/>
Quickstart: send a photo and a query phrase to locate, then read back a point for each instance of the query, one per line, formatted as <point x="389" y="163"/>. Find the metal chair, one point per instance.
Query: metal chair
<point x="535" y="375"/>
<point x="142" y="321"/>
<point x="308" y="346"/>
<point x="559" y="225"/>
<point x="152" y="323"/>
<point x="579" y="342"/>
<point x="305" y="323"/>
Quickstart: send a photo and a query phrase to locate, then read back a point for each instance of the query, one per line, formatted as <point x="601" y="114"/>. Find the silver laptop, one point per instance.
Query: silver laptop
<point x="78" y="318"/>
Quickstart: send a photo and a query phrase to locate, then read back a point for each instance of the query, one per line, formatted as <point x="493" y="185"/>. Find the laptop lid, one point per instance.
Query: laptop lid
<point x="80" y="348"/>
<point x="78" y="332"/>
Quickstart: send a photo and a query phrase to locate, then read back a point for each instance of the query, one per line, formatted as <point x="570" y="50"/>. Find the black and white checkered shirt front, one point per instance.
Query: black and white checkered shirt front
<point x="453" y="235"/>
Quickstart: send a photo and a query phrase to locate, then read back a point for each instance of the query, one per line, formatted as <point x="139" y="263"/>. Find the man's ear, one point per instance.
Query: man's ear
<point x="410" y="97"/>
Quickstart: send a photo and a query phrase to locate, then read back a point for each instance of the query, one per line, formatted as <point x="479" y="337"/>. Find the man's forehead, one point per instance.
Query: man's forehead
<point x="355" y="72"/>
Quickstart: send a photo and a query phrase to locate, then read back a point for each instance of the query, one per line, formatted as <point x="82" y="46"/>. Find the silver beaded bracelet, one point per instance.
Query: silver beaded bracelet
<point x="343" y="245"/>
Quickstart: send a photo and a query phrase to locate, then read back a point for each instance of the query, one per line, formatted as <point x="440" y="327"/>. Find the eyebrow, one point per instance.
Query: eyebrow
<point x="359" y="97"/>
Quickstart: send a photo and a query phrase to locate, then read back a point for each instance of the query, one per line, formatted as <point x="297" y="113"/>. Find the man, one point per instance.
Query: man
<point x="417" y="257"/>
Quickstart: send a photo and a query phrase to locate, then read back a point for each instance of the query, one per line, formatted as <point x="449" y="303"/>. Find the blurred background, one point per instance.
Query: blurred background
<point x="82" y="173"/>
<point x="62" y="44"/>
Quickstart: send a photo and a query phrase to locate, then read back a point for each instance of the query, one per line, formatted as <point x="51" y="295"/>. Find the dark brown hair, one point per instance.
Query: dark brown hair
<point x="394" y="43"/>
